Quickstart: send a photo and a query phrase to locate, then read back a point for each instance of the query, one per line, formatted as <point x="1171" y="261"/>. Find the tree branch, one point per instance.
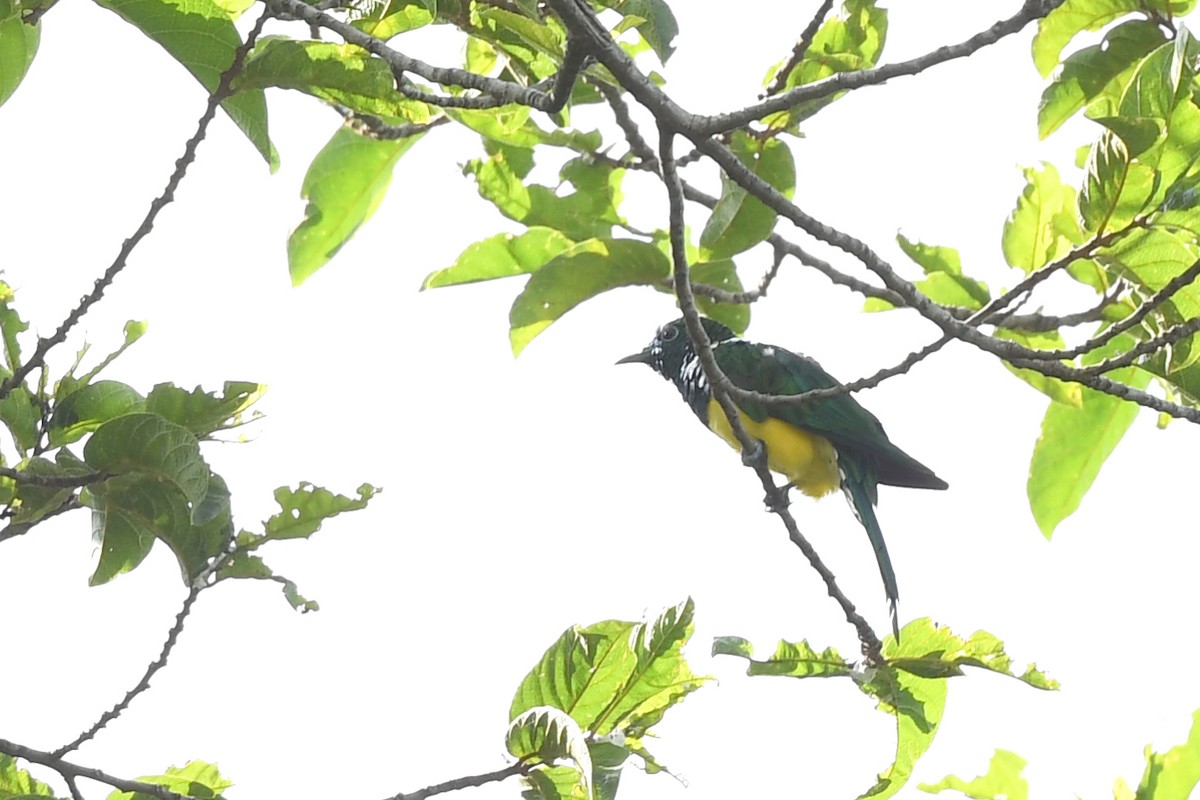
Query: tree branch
<point x="753" y="452"/>
<point x="144" y="683"/>
<point x="224" y="90"/>
<point x="845" y="81"/>
<point x="520" y="768"/>
<point x="798" y="52"/>
<point x="70" y="771"/>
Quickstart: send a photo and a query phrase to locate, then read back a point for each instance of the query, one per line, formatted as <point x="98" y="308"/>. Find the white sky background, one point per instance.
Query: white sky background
<point x="524" y="496"/>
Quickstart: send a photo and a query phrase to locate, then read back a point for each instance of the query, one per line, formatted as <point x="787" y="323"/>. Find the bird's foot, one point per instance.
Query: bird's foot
<point x="755" y="457"/>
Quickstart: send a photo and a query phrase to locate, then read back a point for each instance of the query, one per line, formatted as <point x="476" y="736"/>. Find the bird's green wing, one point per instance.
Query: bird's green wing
<point x="849" y="426"/>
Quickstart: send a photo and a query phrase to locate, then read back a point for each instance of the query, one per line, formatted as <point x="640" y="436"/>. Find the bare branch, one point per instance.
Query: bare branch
<point x="753" y="452"/>
<point x="501" y="92"/>
<point x="24" y="477"/>
<point x="70" y="771"/>
<point x="798" y="52"/>
<point x="143" y="684"/>
<point x="224" y="90"/>
<point x="845" y="81"/>
<point x="15" y="529"/>
<point x="520" y="768"/>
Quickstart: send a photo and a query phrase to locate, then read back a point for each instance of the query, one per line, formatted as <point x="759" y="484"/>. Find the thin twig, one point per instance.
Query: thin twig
<point x="501" y="92"/>
<point x="144" y="683"/>
<point x="753" y="453"/>
<point x="798" y="52"/>
<point x="519" y="768"/>
<point x="845" y="81"/>
<point x="15" y="529"/>
<point x="26" y="478"/>
<point x="70" y="770"/>
<point x="1160" y="297"/>
<point x="224" y="90"/>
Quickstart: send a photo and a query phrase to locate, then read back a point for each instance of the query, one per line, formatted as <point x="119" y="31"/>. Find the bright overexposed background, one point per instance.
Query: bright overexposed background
<point x="524" y="496"/>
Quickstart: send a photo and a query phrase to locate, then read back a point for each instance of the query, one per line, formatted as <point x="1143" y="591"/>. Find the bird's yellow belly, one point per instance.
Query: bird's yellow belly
<point x="806" y="459"/>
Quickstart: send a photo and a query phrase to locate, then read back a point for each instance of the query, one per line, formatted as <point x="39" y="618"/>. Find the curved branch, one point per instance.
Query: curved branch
<point x="70" y="771"/>
<point x="723" y="389"/>
<point x="519" y="768"/>
<point x="143" y="684"/>
<point x="845" y="81"/>
<point x="500" y="92"/>
<point x="224" y="90"/>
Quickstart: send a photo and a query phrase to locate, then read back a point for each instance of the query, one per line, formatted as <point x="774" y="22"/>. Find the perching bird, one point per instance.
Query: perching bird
<point x="818" y="446"/>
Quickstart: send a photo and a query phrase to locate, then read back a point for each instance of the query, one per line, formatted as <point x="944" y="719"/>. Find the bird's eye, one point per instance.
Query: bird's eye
<point x="668" y="333"/>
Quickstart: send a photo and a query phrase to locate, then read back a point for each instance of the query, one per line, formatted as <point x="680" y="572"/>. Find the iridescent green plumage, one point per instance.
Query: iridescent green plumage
<point x="861" y="456"/>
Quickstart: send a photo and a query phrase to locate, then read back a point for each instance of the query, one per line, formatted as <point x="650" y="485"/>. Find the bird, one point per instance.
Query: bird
<point x="818" y="446"/>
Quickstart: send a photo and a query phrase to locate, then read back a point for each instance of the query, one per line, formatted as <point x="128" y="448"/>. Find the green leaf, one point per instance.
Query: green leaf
<point x="790" y="659"/>
<point x="930" y="650"/>
<point x="201" y="412"/>
<point x="1075" y="442"/>
<point x="128" y="513"/>
<point x="501" y="256"/>
<point x="850" y="41"/>
<point x="200" y="35"/>
<point x="1152" y="258"/>
<point x="614" y="676"/>
<point x="1060" y="26"/>
<point x="740" y="221"/>
<point x="1100" y="71"/>
<point x="511" y="125"/>
<point x="1173" y="775"/>
<point x="11" y="325"/>
<point x="89" y="407"/>
<point x="197" y="543"/>
<point x="555" y="783"/>
<point x="1042" y="228"/>
<point x="588" y="212"/>
<point x="148" y="444"/>
<point x="1116" y="190"/>
<point x="393" y="18"/>
<point x="1003" y="780"/>
<point x="946" y="283"/>
<point x="653" y="20"/>
<point x="918" y="709"/>
<point x="341" y="74"/>
<point x="16" y="783"/>
<point x="915" y="692"/>
<point x="34" y="502"/>
<point x="544" y="735"/>
<point x="195" y="779"/>
<point x="134" y="330"/>
<point x="20" y="414"/>
<point x="18" y="46"/>
<point x="586" y="270"/>
<point x="248" y="566"/>
<point x="344" y="185"/>
<point x="1070" y="394"/>
<point x="306" y="507"/>
<point x="721" y="275"/>
<point x="541" y="37"/>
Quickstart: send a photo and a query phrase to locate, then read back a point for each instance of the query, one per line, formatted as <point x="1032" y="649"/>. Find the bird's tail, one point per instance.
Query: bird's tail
<point x="861" y="499"/>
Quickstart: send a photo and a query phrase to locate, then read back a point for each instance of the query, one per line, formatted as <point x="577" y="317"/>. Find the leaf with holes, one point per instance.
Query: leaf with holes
<point x="306" y="507"/>
<point x="201" y="412"/>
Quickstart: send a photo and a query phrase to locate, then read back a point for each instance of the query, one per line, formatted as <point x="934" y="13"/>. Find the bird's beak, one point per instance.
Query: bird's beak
<point x="637" y="358"/>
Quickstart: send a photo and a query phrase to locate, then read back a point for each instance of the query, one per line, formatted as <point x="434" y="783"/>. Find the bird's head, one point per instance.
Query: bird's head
<point x="671" y="351"/>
